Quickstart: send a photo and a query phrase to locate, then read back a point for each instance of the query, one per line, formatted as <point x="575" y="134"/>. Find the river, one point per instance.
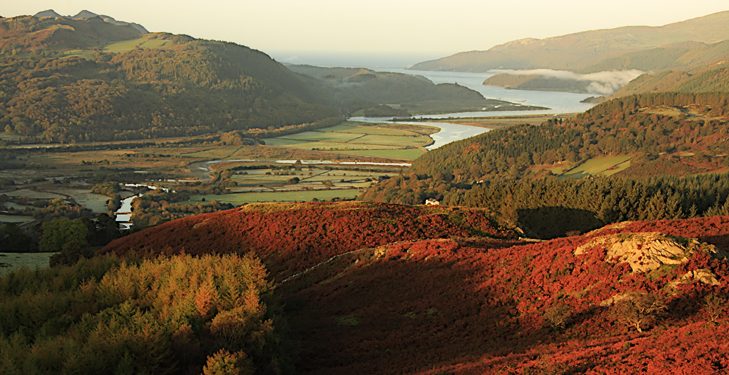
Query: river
<point x="557" y="102"/>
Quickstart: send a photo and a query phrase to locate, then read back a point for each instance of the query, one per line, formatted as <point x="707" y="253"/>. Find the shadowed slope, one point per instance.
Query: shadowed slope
<point x="446" y="306"/>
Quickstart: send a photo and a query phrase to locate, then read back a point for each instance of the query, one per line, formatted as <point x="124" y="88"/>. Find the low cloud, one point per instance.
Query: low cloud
<point x="601" y="83"/>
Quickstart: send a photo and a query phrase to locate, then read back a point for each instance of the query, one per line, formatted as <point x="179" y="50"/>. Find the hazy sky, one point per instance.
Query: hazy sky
<point x="437" y="28"/>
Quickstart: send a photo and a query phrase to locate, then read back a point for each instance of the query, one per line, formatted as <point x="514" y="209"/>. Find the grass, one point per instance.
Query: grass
<point x="9" y="136"/>
<point x="32" y="194"/>
<point x="402" y="141"/>
<point x="15" y="219"/>
<point x="95" y="202"/>
<point x="323" y="136"/>
<point x="502" y="121"/>
<point x="290" y="196"/>
<point x="148" y="41"/>
<point x="338" y="146"/>
<point x="284" y="141"/>
<point x="13" y="261"/>
<point x="86" y="54"/>
<point x="605" y="165"/>
<point x="409" y="154"/>
<point x="353" y="138"/>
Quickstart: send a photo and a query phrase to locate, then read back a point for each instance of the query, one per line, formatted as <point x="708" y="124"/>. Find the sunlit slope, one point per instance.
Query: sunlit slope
<point x="581" y="50"/>
<point x="290" y="238"/>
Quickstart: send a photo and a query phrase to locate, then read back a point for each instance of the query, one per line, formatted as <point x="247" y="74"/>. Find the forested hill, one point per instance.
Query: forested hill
<point x="395" y="94"/>
<point x="668" y="124"/>
<point x="580" y="51"/>
<point x="45" y="34"/>
<point x="633" y="138"/>
<point x="62" y="83"/>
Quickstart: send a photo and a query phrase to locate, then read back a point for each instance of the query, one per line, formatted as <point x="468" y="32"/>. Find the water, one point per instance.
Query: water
<point x="557" y="102"/>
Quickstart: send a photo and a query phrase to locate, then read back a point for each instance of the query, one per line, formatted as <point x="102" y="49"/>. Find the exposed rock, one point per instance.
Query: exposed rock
<point x="619" y="225"/>
<point x="703" y="275"/>
<point x="647" y="251"/>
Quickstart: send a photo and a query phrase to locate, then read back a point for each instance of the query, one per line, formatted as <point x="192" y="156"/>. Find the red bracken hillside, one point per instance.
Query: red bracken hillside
<point x="290" y="238"/>
<point x="629" y="298"/>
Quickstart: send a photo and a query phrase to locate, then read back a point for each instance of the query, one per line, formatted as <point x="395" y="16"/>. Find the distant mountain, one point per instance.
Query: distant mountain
<point x="581" y="52"/>
<point x="85" y="14"/>
<point x="47" y="13"/>
<point x="701" y="68"/>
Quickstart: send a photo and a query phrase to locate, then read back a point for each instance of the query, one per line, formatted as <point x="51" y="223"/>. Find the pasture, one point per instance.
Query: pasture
<point x="280" y="196"/>
<point x="13" y="261"/>
<point x="391" y="141"/>
<point x="599" y="166"/>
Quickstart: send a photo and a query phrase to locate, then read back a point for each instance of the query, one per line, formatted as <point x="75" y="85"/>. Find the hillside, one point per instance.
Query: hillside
<point x="579" y="51"/>
<point x="713" y="77"/>
<point x="563" y="306"/>
<point x="290" y="238"/>
<point x="64" y="81"/>
<point x="648" y="157"/>
<point x="393" y="94"/>
<point x="19" y="35"/>
<point x="538" y="82"/>
<point x="85" y="14"/>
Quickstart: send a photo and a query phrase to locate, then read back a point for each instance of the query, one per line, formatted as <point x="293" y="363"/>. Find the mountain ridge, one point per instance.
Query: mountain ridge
<point x="85" y="14"/>
<point x="580" y="50"/>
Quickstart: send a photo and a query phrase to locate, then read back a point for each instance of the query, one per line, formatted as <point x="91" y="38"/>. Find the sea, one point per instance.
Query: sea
<point x="557" y="102"/>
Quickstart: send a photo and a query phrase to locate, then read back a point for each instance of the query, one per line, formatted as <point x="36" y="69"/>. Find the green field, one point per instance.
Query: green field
<point x="338" y="146"/>
<point x="15" y="219"/>
<point x="409" y="154"/>
<point x="284" y="141"/>
<point x="290" y="196"/>
<point x="12" y="261"/>
<point x="32" y="194"/>
<point x="352" y="138"/>
<point x="146" y="41"/>
<point x="606" y="166"/>
<point x="323" y="136"/>
<point x="9" y="137"/>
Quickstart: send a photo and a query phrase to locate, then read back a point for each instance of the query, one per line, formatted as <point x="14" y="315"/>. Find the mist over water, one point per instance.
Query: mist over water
<point x="558" y="102"/>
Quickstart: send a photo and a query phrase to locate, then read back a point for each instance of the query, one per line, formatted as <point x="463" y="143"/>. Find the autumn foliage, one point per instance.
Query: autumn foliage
<point x="290" y="238"/>
<point x="471" y="307"/>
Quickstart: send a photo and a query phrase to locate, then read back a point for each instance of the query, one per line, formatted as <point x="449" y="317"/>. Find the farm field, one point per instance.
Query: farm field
<point x="392" y="141"/>
<point x="15" y="219"/>
<point x="12" y="261"/>
<point x="146" y="41"/>
<point x="501" y="121"/>
<point x="409" y="154"/>
<point x="606" y="166"/>
<point x="283" y="196"/>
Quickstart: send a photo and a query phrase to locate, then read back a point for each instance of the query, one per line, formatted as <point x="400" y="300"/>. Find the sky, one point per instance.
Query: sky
<point x="422" y="29"/>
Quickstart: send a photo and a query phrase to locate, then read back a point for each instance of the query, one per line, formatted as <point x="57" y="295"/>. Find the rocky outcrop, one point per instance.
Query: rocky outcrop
<point x="647" y="251"/>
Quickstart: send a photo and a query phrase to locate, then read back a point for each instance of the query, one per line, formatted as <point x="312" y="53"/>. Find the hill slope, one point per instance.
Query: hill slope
<point x="59" y="85"/>
<point x="290" y="238"/>
<point x="443" y="306"/>
<point x="582" y="50"/>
